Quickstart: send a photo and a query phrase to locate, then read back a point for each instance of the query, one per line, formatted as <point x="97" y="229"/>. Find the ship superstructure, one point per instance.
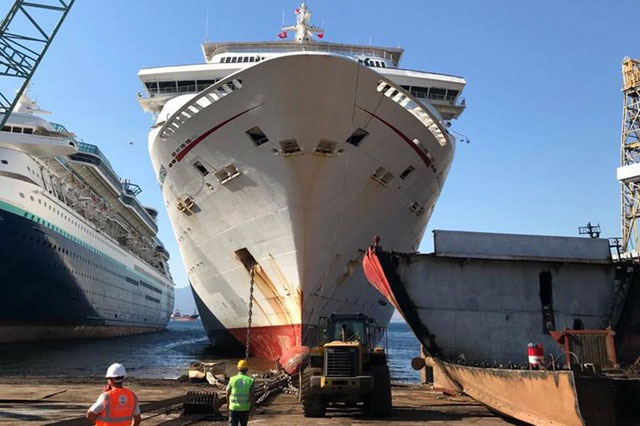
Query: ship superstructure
<point x="79" y="253"/>
<point x="279" y="160"/>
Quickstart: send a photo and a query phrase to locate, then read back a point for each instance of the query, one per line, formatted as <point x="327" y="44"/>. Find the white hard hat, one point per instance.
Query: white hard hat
<point x="115" y="370"/>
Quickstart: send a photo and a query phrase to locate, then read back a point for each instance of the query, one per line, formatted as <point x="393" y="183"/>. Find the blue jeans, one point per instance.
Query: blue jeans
<point x="238" y="418"/>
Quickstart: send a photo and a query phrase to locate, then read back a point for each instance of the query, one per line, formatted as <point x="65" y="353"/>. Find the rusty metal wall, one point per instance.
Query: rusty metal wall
<point x="589" y="348"/>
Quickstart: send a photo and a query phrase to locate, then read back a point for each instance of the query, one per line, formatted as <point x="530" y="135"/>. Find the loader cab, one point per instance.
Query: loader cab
<point x="350" y="328"/>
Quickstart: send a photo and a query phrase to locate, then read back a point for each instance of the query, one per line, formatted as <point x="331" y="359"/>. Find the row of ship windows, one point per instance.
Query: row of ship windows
<point x="72" y="254"/>
<point x="182" y="86"/>
<point x="241" y="59"/>
<point x="92" y="264"/>
<point x="34" y="172"/>
<point x="115" y="314"/>
<point x="372" y="63"/>
<point x="433" y="93"/>
<point x="291" y="147"/>
<point x="18" y="129"/>
<point x="64" y="217"/>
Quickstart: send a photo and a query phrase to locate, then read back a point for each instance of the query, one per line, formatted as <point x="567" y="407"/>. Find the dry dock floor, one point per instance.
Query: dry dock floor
<point x="33" y="400"/>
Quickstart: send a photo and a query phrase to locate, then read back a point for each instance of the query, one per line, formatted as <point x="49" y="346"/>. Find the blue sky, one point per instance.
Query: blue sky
<point x="543" y="95"/>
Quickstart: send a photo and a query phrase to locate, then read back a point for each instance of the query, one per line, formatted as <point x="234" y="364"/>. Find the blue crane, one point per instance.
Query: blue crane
<point x="24" y="44"/>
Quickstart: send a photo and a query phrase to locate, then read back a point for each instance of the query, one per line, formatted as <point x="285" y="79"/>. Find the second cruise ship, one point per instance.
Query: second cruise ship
<point x="78" y="252"/>
<point x="279" y="161"/>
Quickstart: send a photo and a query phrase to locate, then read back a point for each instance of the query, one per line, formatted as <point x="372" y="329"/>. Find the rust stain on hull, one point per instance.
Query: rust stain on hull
<point x="265" y="285"/>
<point x="536" y="397"/>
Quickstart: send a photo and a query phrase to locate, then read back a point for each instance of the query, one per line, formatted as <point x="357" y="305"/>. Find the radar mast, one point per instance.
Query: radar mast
<point x="303" y="28"/>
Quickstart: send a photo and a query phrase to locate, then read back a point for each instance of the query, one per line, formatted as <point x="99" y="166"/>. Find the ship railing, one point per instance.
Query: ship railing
<point x="99" y="163"/>
<point x="97" y="158"/>
<point x="191" y="88"/>
<point x="144" y="249"/>
<point x="135" y="204"/>
<point x="449" y="99"/>
<point x="352" y="51"/>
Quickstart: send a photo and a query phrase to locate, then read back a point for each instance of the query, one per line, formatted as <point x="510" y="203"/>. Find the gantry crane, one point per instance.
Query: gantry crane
<point x="25" y="35"/>
<point x="629" y="171"/>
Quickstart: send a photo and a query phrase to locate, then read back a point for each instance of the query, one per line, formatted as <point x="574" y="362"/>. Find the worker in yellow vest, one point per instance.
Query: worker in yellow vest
<point x="240" y="396"/>
<point x="117" y="405"/>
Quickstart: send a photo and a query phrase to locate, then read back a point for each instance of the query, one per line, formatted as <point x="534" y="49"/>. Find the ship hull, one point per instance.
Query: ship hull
<point x="58" y="285"/>
<point x="577" y="400"/>
<point x="300" y="206"/>
<point x="478" y="301"/>
<point x="486" y="309"/>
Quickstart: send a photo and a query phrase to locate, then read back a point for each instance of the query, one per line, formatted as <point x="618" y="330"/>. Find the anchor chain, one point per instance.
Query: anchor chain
<point x="247" y="349"/>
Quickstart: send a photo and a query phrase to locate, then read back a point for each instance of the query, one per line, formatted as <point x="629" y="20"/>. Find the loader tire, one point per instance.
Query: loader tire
<point x="379" y="402"/>
<point x="312" y="405"/>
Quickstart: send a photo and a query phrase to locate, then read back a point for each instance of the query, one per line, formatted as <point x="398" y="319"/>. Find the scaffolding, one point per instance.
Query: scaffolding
<point x="629" y="171"/>
<point x="25" y="35"/>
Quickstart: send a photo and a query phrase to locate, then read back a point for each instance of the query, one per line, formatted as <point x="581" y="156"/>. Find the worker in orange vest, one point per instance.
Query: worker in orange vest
<point x="117" y="405"/>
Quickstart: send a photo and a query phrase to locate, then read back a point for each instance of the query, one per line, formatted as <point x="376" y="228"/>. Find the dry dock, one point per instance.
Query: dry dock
<point x="49" y="400"/>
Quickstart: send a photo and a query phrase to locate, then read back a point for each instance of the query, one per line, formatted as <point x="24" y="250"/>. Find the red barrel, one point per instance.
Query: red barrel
<point x="536" y="355"/>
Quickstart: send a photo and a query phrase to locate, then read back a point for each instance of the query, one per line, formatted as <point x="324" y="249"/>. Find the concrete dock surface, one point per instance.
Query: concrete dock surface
<point x="47" y="400"/>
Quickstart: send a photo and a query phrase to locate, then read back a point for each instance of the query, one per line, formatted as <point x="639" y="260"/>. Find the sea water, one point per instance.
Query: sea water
<point x="165" y="354"/>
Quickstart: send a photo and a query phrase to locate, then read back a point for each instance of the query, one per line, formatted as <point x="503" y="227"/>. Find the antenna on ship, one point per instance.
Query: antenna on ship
<point x="206" y="26"/>
<point x="592" y="231"/>
<point x="304" y="30"/>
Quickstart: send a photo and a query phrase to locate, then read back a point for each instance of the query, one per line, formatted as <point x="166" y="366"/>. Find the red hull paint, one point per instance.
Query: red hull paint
<point x="374" y="273"/>
<point x="270" y="342"/>
<point x="180" y="155"/>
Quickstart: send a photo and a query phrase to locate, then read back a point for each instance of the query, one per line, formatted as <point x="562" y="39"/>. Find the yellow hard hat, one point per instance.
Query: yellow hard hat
<point x="242" y="365"/>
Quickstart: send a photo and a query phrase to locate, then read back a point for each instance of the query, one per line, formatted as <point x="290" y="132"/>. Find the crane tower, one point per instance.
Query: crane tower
<point x="629" y="171"/>
<point x="25" y="35"/>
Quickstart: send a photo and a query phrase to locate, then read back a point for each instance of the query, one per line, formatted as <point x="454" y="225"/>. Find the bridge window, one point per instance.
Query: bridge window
<point x="203" y="84"/>
<point x="186" y="86"/>
<point x="167" y="86"/>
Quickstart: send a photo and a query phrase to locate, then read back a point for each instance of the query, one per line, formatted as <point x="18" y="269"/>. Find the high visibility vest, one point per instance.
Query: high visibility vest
<point x="119" y="406"/>
<point x="240" y="385"/>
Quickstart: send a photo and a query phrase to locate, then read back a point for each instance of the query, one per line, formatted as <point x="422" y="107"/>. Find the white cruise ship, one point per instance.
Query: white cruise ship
<point x="78" y="252"/>
<point x="285" y="158"/>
